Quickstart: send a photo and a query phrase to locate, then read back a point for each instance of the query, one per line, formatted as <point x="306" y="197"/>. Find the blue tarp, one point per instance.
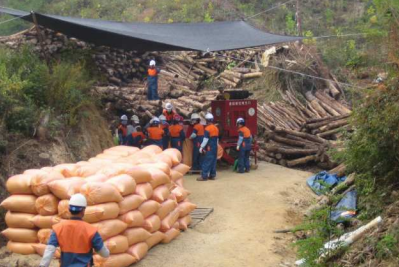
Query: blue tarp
<point x="323" y="181"/>
<point x="346" y="207"/>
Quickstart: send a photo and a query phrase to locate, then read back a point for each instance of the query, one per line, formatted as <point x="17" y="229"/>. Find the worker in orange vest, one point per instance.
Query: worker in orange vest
<point x="152" y="81"/>
<point x="76" y="238"/>
<point x="176" y="132"/>
<point x="136" y="138"/>
<point x="165" y="128"/>
<point x="155" y="133"/>
<point x="243" y="146"/>
<point x="197" y="137"/>
<point x="169" y="113"/>
<point x="209" y="146"/>
<point x="122" y="130"/>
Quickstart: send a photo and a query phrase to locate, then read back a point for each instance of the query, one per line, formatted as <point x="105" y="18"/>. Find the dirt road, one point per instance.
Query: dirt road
<point x="247" y="208"/>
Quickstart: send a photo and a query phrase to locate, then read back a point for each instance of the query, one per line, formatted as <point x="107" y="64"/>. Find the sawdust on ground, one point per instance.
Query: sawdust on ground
<point x="247" y="209"/>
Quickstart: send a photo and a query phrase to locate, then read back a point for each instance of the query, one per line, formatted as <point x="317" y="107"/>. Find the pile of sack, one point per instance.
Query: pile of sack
<point x="136" y="199"/>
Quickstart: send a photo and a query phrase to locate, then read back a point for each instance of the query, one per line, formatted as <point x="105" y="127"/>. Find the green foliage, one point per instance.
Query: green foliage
<point x="387" y="247"/>
<point x="290" y="23"/>
<point x="27" y="86"/>
<point x="321" y="230"/>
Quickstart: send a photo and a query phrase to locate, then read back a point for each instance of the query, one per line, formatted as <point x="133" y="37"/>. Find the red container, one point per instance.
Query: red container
<point x="226" y="113"/>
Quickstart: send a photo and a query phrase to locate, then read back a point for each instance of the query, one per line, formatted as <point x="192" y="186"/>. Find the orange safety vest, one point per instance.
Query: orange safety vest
<point x="175" y="130"/>
<point x="136" y="134"/>
<point x="155" y="133"/>
<point x="200" y="129"/>
<point x="212" y="130"/>
<point x="169" y="116"/>
<point x="123" y="128"/>
<point x="152" y="72"/>
<point x="74" y="236"/>
<point x="245" y="132"/>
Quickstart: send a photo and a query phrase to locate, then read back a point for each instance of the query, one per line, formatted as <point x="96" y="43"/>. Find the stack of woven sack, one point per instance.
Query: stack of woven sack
<point x="136" y="199"/>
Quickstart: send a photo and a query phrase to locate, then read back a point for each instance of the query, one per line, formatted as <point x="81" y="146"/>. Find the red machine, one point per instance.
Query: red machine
<point x="226" y="113"/>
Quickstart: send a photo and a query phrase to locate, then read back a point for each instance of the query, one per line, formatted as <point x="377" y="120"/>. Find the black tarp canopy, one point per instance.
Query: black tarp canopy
<point x="215" y="36"/>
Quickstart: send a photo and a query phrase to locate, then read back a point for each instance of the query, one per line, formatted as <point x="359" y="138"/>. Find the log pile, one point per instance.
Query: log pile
<point x="296" y="130"/>
<point x="119" y="66"/>
<point x="188" y="70"/>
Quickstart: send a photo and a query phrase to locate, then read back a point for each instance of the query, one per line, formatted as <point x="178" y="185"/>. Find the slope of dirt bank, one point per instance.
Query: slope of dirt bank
<point x="247" y="208"/>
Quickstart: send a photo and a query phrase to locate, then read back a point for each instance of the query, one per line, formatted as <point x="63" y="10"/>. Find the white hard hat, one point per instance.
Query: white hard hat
<point x="195" y="116"/>
<point x="168" y="107"/>
<point x="162" y="118"/>
<point x="78" y="200"/>
<point x="240" y="120"/>
<point x="135" y="119"/>
<point x="152" y="63"/>
<point x="209" y="116"/>
<point x="124" y="118"/>
<point x="155" y="120"/>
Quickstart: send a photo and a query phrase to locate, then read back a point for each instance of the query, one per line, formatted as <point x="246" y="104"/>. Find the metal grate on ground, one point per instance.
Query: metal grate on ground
<point x="199" y="215"/>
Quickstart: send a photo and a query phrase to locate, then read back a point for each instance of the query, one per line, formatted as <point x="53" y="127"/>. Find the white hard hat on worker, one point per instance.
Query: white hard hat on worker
<point x="240" y="121"/>
<point x="155" y="120"/>
<point x="209" y="117"/>
<point x="135" y="119"/>
<point x="152" y="63"/>
<point x="77" y="202"/>
<point x="168" y="107"/>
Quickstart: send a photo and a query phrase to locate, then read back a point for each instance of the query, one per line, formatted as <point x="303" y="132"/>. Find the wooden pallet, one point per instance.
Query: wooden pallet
<point x="199" y="215"/>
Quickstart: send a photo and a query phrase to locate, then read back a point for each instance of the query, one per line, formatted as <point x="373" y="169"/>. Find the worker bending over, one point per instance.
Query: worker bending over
<point x="165" y="128"/>
<point x="209" y="146"/>
<point x="169" y="113"/>
<point x="122" y="130"/>
<point x="197" y="137"/>
<point x="243" y="146"/>
<point x="152" y="79"/>
<point x="136" y="139"/>
<point x="76" y="238"/>
<point x="177" y="135"/>
<point x="155" y="133"/>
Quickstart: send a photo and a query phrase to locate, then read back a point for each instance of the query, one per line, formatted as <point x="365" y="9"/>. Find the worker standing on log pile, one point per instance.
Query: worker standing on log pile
<point x="122" y="130"/>
<point x="197" y="137"/>
<point x="243" y="146"/>
<point x="155" y="133"/>
<point x="136" y="139"/>
<point x="169" y="113"/>
<point x="165" y="128"/>
<point x="209" y="146"/>
<point x="177" y="134"/>
<point x="152" y="81"/>
<point x="76" y="238"/>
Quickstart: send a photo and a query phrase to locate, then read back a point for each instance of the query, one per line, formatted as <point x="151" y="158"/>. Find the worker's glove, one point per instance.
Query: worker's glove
<point x="238" y="148"/>
<point x="201" y="150"/>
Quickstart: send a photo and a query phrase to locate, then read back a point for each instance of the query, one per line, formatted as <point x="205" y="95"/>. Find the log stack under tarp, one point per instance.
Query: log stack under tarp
<point x="294" y="131"/>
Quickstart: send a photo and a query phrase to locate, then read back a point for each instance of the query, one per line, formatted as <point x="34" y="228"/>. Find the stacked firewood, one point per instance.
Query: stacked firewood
<point x="133" y="100"/>
<point x="301" y="128"/>
<point x="118" y="66"/>
<point x="292" y="148"/>
<point x="187" y="70"/>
